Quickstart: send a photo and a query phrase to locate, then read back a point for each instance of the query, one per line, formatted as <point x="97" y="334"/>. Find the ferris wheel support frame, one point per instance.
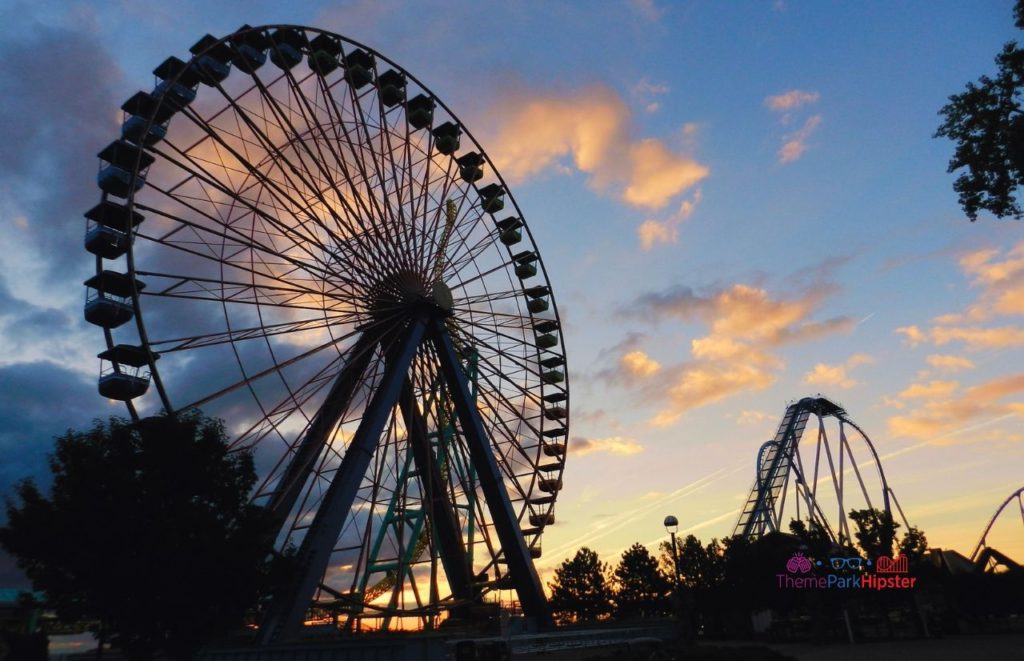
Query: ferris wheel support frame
<point x="285" y="616"/>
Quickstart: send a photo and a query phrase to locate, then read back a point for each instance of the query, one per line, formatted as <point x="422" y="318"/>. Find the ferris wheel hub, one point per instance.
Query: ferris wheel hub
<point x="442" y="297"/>
<point x="406" y="290"/>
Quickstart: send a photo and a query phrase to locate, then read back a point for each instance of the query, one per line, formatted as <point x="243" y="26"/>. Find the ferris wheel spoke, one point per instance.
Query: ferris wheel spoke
<point x="278" y="190"/>
<point x="318" y="159"/>
<point x="403" y="205"/>
<point x="263" y="373"/>
<point x="171" y="345"/>
<point x="467" y="253"/>
<point x="268" y="273"/>
<point x="385" y="211"/>
<point x="227" y="233"/>
<point x="202" y="175"/>
<point x="294" y="402"/>
<point x="523" y="362"/>
<point x="341" y="135"/>
<point x="224" y="291"/>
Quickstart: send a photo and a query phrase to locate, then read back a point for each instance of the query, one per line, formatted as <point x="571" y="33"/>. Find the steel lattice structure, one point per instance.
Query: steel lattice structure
<point x="320" y="253"/>
<point x="816" y="479"/>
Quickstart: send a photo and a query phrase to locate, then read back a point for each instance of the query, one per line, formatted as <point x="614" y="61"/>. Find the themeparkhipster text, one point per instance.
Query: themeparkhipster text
<point x="888" y="574"/>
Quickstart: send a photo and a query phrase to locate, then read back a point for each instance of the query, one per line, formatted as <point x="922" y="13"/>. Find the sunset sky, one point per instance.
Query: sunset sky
<point x="738" y="205"/>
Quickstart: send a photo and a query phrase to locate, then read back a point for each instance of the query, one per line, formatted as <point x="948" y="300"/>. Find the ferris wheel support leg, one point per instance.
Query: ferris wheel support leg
<point x="334" y="406"/>
<point x="440" y="511"/>
<point x="287" y="612"/>
<point x="524" y="574"/>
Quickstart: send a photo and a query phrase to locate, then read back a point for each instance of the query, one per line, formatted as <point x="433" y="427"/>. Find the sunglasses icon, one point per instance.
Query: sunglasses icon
<point x="852" y="563"/>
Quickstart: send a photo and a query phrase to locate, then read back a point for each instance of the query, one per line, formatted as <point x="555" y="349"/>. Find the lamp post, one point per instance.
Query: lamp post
<point x="672" y="525"/>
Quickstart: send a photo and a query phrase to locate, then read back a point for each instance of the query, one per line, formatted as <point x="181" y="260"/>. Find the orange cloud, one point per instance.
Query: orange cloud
<point x="616" y="445"/>
<point x="999" y="278"/>
<point x="593" y="130"/>
<point x="653" y="232"/>
<point x="836" y="375"/>
<point x="638" y="363"/>
<point x="949" y="363"/>
<point x="942" y="417"/>
<point x="702" y="385"/>
<point x="745" y="325"/>
<point x="930" y="390"/>
<point x="914" y="335"/>
<point x="791" y="100"/>
<point x="795" y="144"/>
<point x="980" y="338"/>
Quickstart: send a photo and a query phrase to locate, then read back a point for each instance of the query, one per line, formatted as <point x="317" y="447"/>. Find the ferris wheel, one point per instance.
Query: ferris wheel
<point x="319" y="252"/>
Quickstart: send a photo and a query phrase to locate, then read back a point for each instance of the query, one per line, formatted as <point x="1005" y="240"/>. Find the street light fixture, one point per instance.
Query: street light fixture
<point x="672" y="525"/>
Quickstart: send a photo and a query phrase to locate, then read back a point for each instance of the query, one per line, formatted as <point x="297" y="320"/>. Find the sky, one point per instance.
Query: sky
<point x="737" y="204"/>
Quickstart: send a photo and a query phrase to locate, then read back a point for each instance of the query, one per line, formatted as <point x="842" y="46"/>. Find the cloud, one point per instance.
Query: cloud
<point x="700" y="385"/>
<point x="653" y="232"/>
<point x="975" y="338"/>
<point x="941" y="416"/>
<point x="645" y="93"/>
<point x="638" y="363"/>
<point x="590" y="130"/>
<point x="63" y="115"/>
<point x="914" y="335"/>
<point x="795" y="144"/>
<point x="745" y="325"/>
<point x="999" y="278"/>
<point x="44" y="400"/>
<point x="615" y="445"/>
<point x="752" y="417"/>
<point x="946" y="363"/>
<point x="791" y="100"/>
<point x="930" y="390"/>
<point x="647" y="9"/>
<point x="837" y="375"/>
<point x="744" y="311"/>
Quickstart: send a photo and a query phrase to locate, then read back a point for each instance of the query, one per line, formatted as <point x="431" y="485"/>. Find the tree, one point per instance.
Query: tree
<point x="987" y="125"/>
<point x="580" y="591"/>
<point x="147" y="529"/>
<point x="813" y="536"/>
<point x="641" y="585"/>
<point x="699" y="566"/>
<point x="914" y="544"/>
<point x="876" y="532"/>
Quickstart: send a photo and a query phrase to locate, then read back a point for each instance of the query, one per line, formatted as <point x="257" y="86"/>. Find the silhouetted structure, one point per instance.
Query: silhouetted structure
<point x="336" y="267"/>
<point x="819" y="482"/>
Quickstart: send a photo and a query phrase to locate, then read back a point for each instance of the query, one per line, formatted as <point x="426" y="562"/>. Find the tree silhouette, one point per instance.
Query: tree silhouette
<point x="699" y="566"/>
<point x="580" y="591"/>
<point x="813" y="536"/>
<point x="986" y="123"/>
<point x="914" y="544"/>
<point x="148" y="529"/>
<point x="642" y="588"/>
<point x="876" y="532"/>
